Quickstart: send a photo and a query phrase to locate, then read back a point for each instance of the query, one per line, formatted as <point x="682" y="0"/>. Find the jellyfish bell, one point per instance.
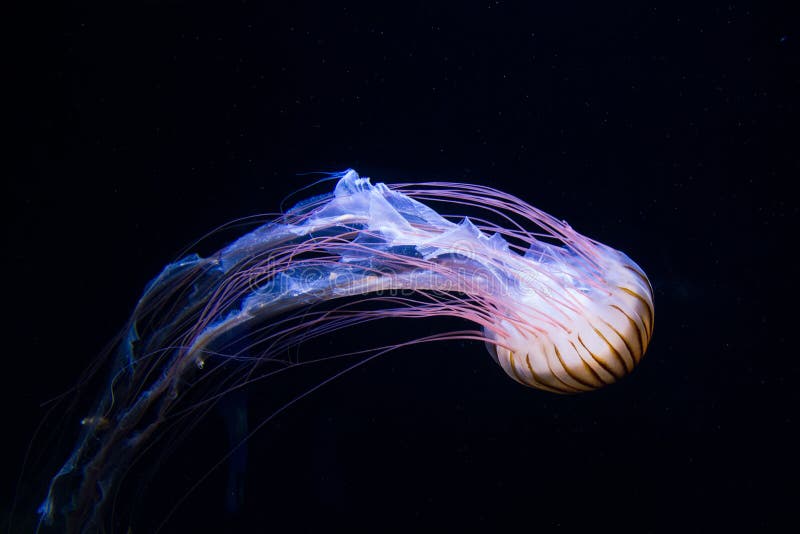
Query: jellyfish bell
<point x="580" y="328"/>
<point x="559" y="311"/>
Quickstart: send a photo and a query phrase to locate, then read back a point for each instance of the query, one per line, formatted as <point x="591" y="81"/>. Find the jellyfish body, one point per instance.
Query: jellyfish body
<point x="557" y="310"/>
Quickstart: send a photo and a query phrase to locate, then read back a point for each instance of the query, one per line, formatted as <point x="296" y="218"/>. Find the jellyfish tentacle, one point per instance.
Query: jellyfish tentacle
<point x="558" y="311"/>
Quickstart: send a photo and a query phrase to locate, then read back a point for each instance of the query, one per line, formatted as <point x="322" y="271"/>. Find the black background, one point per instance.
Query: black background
<point x="669" y="132"/>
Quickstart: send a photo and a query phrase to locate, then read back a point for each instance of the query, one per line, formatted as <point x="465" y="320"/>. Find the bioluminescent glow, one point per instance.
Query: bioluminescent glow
<point x="557" y="310"/>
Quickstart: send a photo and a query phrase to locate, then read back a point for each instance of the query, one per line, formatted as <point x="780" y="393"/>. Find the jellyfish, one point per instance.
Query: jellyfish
<point x="556" y="310"/>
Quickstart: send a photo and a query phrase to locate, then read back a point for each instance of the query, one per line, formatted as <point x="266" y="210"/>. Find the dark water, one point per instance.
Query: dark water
<point x="669" y="132"/>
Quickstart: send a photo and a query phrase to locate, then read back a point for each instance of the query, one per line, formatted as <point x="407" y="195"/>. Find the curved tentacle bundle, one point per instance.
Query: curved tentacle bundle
<point x="558" y="311"/>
